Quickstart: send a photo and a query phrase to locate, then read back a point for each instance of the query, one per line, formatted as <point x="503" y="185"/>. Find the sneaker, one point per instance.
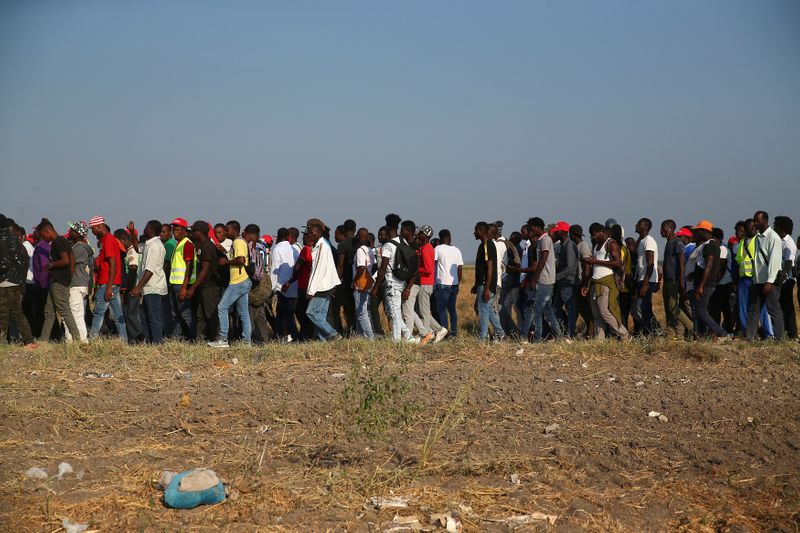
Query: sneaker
<point x="498" y="340"/>
<point x="219" y="344"/>
<point x="426" y="339"/>
<point x="440" y="335"/>
<point x="567" y="340"/>
<point x="335" y="337"/>
<point x="413" y="340"/>
<point x="32" y="345"/>
<point x="287" y="339"/>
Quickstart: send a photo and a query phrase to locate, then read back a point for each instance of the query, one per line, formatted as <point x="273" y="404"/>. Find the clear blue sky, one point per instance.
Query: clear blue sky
<point x="446" y="112"/>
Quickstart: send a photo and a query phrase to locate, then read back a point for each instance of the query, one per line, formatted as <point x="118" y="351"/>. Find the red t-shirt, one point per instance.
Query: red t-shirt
<point x="427" y="264"/>
<point x="188" y="251"/>
<point x="305" y="269"/>
<point x="109" y="247"/>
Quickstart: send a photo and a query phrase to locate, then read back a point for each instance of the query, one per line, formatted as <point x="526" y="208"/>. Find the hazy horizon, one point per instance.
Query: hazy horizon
<point x="443" y="112"/>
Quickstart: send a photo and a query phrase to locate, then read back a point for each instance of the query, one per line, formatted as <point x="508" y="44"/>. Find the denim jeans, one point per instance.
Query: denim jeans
<point x="446" y="296"/>
<point x="564" y="302"/>
<point x="543" y="309"/>
<point x="154" y="317"/>
<point x="363" y="318"/>
<point x="704" y="320"/>
<point x="317" y="312"/>
<point x="100" y="307"/>
<point x="743" y="290"/>
<point x="185" y="324"/>
<point x="487" y="312"/>
<point x="134" y="320"/>
<point x="643" y="308"/>
<point x="236" y="295"/>
<point x="393" y="304"/>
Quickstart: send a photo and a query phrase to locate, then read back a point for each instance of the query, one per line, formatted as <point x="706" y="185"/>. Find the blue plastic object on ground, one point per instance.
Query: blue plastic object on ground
<point x="178" y="499"/>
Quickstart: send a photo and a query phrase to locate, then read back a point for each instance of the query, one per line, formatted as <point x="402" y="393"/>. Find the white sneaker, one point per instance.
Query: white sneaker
<point x="219" y="344"/>
<point x="440" y="335"/>
<point x="413" y="340"/>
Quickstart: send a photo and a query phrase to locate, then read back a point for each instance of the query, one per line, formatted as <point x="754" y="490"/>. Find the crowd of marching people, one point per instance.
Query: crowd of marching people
<point x="224" y="283"/>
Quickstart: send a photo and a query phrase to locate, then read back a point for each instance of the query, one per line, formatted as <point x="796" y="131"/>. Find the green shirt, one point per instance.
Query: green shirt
<point x="170" y="247"/>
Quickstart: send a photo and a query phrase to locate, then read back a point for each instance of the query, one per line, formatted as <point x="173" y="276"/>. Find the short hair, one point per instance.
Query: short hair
<point x="576" y="229"/>
<point x="283" y="233"/>
<point x="349" y="224"/>
<point x="616" y="233"/>
<point x="20" y="229"/>
<point x="762" y="214"/>
<point x="218" y="225"/>
<point x="235" y="225"/>
<point x="121" y="234"/>
<point x="536" y="222"/>
<point x="748" y="221"/>
<point x="408" y="224"/>
<point x="444" y="234"/>
<point x="515" y="235"/>
<point x="482" y="225"/>
<point x="595" y="227"/>
<point x="294" y="233"/>
<point x="170" y="226"/>
<point x="717" y="233"/>
<point x="340" y="229"/>
<point x="647" y="223"/>
<point x="392" y="221"/>
<point x="785" y="223"/>
<point x="739" y="223"/>
<point x="44" y="224"/>
<point x="669" y="223"/>
<point x="382" y="228"/>
<point x="252" y="229"/>
<point x="155" y="226"/>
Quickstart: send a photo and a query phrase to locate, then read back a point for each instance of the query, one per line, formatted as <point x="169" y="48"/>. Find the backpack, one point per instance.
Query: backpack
<point x="406" y="261"/>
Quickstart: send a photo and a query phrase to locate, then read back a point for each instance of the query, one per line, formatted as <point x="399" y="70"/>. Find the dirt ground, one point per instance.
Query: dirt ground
<point x="306" y="435"/>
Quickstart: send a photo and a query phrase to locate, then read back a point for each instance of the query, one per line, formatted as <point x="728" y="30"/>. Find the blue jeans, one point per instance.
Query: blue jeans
<point x="393" y="304"/>
<point x="100" y="307"/>
<point x="154" y="317"/>
<point x="543" y="309"/>
<point x="363" y="317"/>
<point x="643" y="308"/>
<point x="446" y="296"/>
<point x="185" y="321"/>
<point x="237" y="295"/>
<point x="317" y="312"/>
<point x="487" y="314"/>
<point x="743" y="292"/>
<point x="564" y="302"/>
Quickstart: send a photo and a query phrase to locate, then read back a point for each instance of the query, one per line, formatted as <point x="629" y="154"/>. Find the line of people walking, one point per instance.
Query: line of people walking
<point x="224" y="283"/>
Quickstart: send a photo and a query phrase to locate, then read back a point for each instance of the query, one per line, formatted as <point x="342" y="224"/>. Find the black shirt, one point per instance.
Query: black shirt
<point x="486" y="252"/>
<point x="61" y="275"/>
<point x="348" y="248"/>
<point x="208" y="252"/>
<point x="710" y="249"/>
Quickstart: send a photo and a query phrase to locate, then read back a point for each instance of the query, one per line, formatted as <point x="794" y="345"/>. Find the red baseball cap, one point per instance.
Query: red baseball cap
<point x="180" y="222"/>
<point x="733" y="240"/>
<point x="561" y="226"/>
<point x="267" y="239"/>
<point x="683" y="232"/>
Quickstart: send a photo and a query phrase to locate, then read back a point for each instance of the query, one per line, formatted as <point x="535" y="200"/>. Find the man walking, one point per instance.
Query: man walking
<point x="81" y="277"/>
<point x="449" y="264"/>
<point x="567" y="267"/>
<point x="152" y="282"/>
<point x="427" y="274"/>
<point x="109" y="279"/>
<point x="284" y="257"/>
<point x="542" y="282"/>
<point x="646" y="277"/>
<point x="745" y="258"/>
<point x="238" y="289"/>
<point x="207" y="290"/>
<point x="706" y="275"/>
<point x="485" y="287"/>
<point x="783" y="227"/>
<point x="394" y="280"/>
<point x="322" y="281"/>
<point x="674" y="271"/>
<point x="767" y="264"/>
<point x="182" y="275"/>
<point x="600" y="287"/>
<point x="13" y="270"/>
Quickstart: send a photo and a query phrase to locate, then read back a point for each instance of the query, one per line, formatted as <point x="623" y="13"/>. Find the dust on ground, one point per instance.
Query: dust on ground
<point x="306" y="435"/>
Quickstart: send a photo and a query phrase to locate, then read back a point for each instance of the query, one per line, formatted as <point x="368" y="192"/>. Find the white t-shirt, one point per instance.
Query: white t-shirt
<point x="365" y="256"/>
<point x="153" y="255"/>
<point x="226" y="244"/>
<point x="29" y="248"/>
<point x="725" y="254"/>
<point x="448" y="259"/>
<point x="789" y="253"/>
<point x="648" y="244"/>
<point x="691" y="263"/>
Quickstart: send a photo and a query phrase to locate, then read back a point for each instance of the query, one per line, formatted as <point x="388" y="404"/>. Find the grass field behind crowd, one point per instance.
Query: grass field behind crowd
<point x="319" y="437"/>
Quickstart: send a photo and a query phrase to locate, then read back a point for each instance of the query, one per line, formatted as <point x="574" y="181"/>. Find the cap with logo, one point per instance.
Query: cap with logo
<point x="180" y="222"/>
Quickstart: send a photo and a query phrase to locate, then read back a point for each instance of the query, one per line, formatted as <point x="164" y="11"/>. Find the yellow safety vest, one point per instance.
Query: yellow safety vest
<point x="744" y="257"/>
<point x="177" y="269"/>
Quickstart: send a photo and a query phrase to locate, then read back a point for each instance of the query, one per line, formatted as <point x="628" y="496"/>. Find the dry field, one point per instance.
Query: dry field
<point x="306" y="435"/>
